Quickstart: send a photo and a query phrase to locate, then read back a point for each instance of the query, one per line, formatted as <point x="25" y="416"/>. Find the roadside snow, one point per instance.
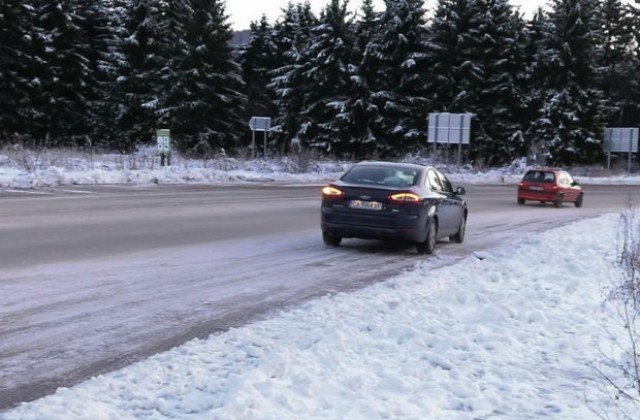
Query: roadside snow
<point x="514" y="333"/>
<point x="144" y="168"/>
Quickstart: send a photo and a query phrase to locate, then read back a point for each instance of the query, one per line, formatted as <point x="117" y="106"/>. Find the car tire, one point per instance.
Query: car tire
<point x="459" y="236"/>
<point x="558" y="202"/>
<point x="521" y="201"/>
<point x="429" y="244"/>
<point x="331" y="240"/>
<point x="578" y="202"/>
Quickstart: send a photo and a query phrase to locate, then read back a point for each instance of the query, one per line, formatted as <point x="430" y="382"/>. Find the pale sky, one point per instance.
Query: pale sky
<point x="242" y="12"/>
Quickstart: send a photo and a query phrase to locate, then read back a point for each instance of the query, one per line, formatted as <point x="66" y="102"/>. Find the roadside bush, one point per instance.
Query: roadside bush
<point x="619" y="368"/>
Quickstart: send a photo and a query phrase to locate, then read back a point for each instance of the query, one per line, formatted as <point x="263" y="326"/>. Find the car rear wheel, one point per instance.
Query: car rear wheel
<point x="579" y="200"/>
<point x="521" y="201"/>
<point x="331" y="240"/>
<point x="429" y="244"/>
<point x="459" y="237"/>
<point x="559" y="201"/>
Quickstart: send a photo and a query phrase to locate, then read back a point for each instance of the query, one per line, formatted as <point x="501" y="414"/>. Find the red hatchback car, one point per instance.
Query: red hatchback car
<point x="550" y="185"/>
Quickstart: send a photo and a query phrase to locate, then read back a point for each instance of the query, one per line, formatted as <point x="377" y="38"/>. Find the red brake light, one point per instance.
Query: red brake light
<point x="332" y="192"/>
<point x="405" y="198"/>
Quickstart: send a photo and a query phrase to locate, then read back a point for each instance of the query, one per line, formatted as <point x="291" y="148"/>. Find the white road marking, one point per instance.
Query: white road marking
<point x="77" y="191"/>
<point x="29" y="192"/>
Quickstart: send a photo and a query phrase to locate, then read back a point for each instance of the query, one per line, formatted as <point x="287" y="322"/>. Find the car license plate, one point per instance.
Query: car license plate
<point x="365" y="205"/>
<point x="536" y="188"/>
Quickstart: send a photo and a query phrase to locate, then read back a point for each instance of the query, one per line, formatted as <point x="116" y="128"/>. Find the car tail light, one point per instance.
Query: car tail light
<point x="332" y="192"/>
<point x="405" y="198"/>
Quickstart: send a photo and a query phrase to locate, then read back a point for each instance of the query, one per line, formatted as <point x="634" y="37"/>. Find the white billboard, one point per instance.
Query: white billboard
<point x="620" y="140"/>
<point x="447" y="128"/>
<point x="260" y="123"/>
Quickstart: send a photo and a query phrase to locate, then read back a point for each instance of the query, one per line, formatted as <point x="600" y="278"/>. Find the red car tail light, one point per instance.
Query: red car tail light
<point x="332" y="192"/>
<point x="405" y="198"/>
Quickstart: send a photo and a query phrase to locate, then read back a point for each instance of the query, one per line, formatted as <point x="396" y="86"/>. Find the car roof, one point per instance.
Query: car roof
<point x="393" y="164"/>
<point x="547" y="170"/>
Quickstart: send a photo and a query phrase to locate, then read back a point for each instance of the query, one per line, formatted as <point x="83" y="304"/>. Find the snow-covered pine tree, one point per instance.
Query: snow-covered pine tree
<point x="258" y="58"/>
<point x="212" y="114"/>
<point x="60" y="101"/>
<point x="326" y="72"/>
<point x="291" y="36"/>
<point x="140" y="87"/>
<point x="571" y="119"/>
<point x="633" y="8"/>
<point x="497" y="50"/>
<point x="173" y="24"/>
<point x="205" y="103"/>
<point x="101" y="27"/>
<point x="477" y="51"/>
<point x="368" y="22"/>
<point x="535" y="39"/>
<point x="632" y="112"/>
<point x="617" y="67"/>
<point x="447" y="47"/>
<point x="365" y="119"/>
<point x="16" y="68"/>
<point x="400" y="83"/>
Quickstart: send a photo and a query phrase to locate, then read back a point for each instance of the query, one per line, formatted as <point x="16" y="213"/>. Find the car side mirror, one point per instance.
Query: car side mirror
<point x="460" y="191"/>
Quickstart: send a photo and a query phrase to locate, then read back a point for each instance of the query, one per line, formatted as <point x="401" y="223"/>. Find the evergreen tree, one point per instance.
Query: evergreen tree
<point x="617" y="67"/>
<point x="477" y="51"/>
<point x="101" y="35"/>
<point x="291" y="35"/>
<point x="631" y="110"/>
<point x="400" y="86"/>
<point x="571" y="118"/>
<point x="60" y="101"/>
<point x="326" y="105"/>
<point x="368" y="25"/>
<point x="633" y="9"/>
<point x="16" y="67"/>
<point x="366" y="120"/>
<point x="448" y="47"/>
<point x="258" y="59"/>
<point x="174" y="21"/>
<point x="140" y="89"/>
<point x="206" y="103"/>
<point x="535" y="49"/>
<point x="497" y="49"/>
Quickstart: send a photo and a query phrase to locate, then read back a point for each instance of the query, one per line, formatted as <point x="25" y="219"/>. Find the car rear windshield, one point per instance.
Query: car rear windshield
<point x="381" y="175"/>
<point x="540" y="176"/>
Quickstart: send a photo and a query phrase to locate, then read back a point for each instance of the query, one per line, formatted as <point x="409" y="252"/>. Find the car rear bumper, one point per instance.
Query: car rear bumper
<point x="373" y="232"/>
<point x="402" y="228"/>
<point x="537" y="195"/>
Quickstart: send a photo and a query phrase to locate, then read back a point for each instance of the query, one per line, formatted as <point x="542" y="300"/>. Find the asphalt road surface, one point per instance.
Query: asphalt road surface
<point x="95" y="278"/>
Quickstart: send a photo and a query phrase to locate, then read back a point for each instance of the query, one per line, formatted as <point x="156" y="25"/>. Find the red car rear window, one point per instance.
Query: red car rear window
<point x="539" y="176"/>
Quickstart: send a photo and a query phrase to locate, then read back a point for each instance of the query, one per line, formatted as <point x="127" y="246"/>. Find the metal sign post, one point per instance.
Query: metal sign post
<point x="259" y="124"/>
<point x="163" y="138"/>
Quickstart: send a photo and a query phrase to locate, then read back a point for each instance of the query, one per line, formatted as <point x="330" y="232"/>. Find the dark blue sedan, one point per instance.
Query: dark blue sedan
<point x="393" y="201"/>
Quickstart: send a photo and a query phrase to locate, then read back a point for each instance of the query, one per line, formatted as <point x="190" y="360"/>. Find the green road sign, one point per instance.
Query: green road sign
<point x="164" y="141"/>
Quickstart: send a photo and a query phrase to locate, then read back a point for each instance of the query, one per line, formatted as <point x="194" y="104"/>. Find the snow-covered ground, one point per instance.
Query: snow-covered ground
<point x="23" y="169"/>
<point x="523" y="331"/>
